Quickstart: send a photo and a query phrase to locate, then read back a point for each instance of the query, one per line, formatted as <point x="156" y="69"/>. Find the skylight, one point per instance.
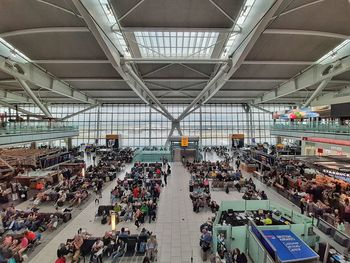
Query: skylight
<point x="118" y="37"/>
<point x="176" y="44"/>
<point x="240" y="21"/>
<point x="108" y="11"/>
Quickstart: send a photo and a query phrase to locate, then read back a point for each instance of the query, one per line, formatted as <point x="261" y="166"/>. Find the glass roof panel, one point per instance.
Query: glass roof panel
<point x="177" y="44"/>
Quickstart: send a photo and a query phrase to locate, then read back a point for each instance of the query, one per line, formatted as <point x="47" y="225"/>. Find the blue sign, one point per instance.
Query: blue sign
<point x="287" y="246"/>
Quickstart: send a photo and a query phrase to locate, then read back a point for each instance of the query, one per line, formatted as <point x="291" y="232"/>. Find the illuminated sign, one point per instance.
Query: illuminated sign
<point x="184" y="141"/>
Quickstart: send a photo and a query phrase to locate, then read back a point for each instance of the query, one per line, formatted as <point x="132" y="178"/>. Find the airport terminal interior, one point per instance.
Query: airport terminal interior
<point x="175" y="131"/>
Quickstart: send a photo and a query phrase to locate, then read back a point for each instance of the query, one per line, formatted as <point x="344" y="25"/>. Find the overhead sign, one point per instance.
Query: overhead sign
<point x="112" y="136"/>
<point x="184" y="141"/>
<point x="238" y="136"/>
<point x="287" y="246"/>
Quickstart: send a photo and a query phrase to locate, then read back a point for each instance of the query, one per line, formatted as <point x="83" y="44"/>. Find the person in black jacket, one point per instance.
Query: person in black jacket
<point x="239" y="257"/>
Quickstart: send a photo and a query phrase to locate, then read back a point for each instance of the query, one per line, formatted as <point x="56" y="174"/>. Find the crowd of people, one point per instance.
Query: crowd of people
<point x="113" y="245"/>
<point x="135" y="197"/>
<point x="22" y="230"/>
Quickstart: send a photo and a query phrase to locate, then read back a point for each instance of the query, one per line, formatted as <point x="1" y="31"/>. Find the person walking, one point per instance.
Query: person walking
<point x="165" y="175"/>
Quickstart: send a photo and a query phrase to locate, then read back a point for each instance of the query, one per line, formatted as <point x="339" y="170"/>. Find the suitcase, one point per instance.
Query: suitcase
<point x="67" y="217"/>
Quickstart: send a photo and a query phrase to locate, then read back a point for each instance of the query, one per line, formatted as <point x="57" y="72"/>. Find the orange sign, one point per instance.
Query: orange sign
<point x="184" y="141"/>
<point x="111" y="136"/>
<point x="238" y="136"/>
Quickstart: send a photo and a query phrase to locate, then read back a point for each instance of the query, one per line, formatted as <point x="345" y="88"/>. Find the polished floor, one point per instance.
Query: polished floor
<point x="177" y="226"/>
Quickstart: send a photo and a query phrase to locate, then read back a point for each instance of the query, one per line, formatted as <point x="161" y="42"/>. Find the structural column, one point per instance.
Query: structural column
<point x="69" y="143"/>
<point x="149" y="126"/>
<point x="98" y="125"/>
<point x="200" y="128"/>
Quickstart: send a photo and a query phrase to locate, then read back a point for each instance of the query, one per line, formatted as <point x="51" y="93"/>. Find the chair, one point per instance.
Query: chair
<point x="141" y="239"/>
<point x="130" y="245"/>
<point x="85" y="249"/>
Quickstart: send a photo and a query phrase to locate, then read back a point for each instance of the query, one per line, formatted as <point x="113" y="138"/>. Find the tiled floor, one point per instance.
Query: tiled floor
<point x="177" y="226"/>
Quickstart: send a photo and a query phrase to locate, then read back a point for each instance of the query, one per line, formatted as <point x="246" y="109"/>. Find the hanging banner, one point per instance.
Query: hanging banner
<point x="184" y="141"/>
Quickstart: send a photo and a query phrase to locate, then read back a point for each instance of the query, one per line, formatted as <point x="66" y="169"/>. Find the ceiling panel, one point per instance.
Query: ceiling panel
<point x="78" y="45"/>
<point x="5" y="76"/>
<point x="179" y="13"/>
<point x="291" y="47"/>
<point x="81" y="70"/>
<point x="326" y="16"/>
<point x="24" y="14"/>
<point x="344" y="76"/>
<point x="249" y="85"/>
<point x="267" y="71"/>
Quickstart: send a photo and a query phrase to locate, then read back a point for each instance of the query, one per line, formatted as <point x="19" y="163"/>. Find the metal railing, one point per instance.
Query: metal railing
<point x="312" y="127"/>
<point x="15" y="128"/>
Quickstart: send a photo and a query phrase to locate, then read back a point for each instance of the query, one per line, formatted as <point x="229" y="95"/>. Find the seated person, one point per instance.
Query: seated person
<point x="97" y="250"/>
<point x="119" y="251"/>
<point x="263" y="195"/>
<point x="53" y="222"/>
<point x="7" y="241"/>
<point x="152" y="248"/>
<point x="31" y="236"/>
<point x="63" y="250"/>
<point x="123" y="233"/>
<point x="75" y="246"/>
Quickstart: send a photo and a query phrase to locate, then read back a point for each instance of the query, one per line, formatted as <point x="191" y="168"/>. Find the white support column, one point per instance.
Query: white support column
<point x="98" y="125"/>
<point x="31" y="94"/>
<point x="149" y="126"/>
<point x="317" y="92"/>
<point x="170" y="134"/>
<point x="200" y="128"/>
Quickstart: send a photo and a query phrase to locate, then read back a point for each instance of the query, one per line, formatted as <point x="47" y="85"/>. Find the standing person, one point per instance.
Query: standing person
<point x="347" y="210"/>
<point x="238" y="162"/>
<point x="169" y="169"/>
<point x="239" y="257"/>
<point x="165" y="175"/>
<point x="302" y="205"/>
<point x="94" y="160"/>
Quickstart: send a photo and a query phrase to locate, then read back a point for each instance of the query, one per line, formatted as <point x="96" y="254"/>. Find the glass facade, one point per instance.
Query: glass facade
<point x="140" y="126"/>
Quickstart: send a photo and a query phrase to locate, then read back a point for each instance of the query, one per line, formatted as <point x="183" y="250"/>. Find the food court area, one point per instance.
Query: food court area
<point x="187" y="131"/>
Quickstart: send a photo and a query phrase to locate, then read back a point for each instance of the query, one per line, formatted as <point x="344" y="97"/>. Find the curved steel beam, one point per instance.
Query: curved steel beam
<point x="298" y="8"/>
<point x="59" y="7"/>
<point x="41" y="30"/>
<point x="305" y="33"/>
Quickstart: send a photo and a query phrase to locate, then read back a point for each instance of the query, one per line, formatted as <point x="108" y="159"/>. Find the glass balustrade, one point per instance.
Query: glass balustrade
<point x="312" y="127"/>
<point x="13" y="128"/>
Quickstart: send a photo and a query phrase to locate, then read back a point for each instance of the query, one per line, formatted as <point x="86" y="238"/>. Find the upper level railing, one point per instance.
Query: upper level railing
<point x="312" y="127"/>
<point x="13" y="128"/>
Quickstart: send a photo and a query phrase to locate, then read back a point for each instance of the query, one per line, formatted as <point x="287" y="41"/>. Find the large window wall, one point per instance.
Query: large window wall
<point x="140" y="126"/>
